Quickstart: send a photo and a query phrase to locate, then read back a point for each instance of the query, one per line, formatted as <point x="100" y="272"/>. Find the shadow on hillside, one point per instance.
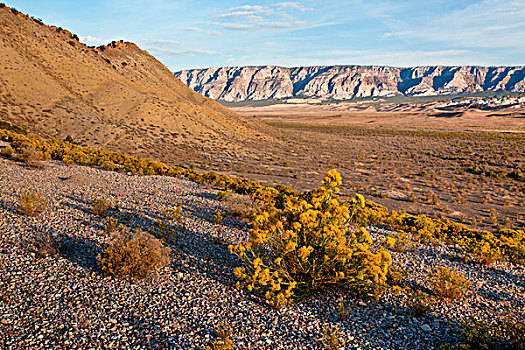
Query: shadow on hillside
<point x="195" y="250"/>
<point x="10" y="206"/>
<point x="80" y="251"/>
<point x="151" y="335"/>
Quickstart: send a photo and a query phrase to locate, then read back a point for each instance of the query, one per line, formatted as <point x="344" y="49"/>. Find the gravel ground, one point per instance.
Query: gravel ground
<point x="64" y="301"/>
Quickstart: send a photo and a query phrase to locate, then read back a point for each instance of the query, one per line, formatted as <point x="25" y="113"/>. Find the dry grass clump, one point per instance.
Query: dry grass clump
<point x="509" y="335"/>
<point x="331" y="338"/>
<point x="173" y="214"/>
<point x="397" y="274"/>
<point x="420" y="302"/>
<point x="240" y="207"/>
<point x="224" y="341"/>
<point x="404" y="242"/>
<point x="447" y="283"/>
<point x="133" y="255"/>
<point x="31" y="157"/>
<point x="32" y="203"/>
<point x="100" y="206"/>
<point x="45" y="245"/>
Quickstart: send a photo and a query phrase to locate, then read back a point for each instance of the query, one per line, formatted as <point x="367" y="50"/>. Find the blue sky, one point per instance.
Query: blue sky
<point x="198" y="34"/>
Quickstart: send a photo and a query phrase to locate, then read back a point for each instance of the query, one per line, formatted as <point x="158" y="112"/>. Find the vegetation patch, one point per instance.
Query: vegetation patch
<point x="100" y="206"/>
<point x="133" y="255"/>
<point x="448" y="284"/>
<point x="476" y="334"/>
<point x="483" y="246"/>
<point x="311" y="243"/>
<point x="32" y="203"/>
<point x="224" y="340"/>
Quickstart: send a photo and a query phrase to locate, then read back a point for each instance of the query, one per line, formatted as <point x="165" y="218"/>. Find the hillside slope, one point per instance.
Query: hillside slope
<point x="234" y="84"/>
<point x="117" y="96"/>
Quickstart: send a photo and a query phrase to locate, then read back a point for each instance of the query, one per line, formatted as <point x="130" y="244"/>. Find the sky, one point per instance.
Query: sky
<point x="186" y="34"/>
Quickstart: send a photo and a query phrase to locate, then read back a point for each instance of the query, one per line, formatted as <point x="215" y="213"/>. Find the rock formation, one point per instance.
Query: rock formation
<point x="346" y="82"/>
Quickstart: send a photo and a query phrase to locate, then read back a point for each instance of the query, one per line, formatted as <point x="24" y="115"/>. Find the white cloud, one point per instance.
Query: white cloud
<point x="92" y="41"/>
<point x="203" y="31"/>
<point x="161" y="42"/>
<point x="258" y="17"/>
<point x="293" y="5"/>
<point x="254" y="8"/>
<point x="485" y="24"/>
<point x="181" y="52"/>
<point x="235" y="26"/>
<point x="406" y="58"/>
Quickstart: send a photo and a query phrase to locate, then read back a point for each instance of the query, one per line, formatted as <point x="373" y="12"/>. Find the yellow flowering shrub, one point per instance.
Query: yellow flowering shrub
<point x="310" y="243"/>
<point x="7" y="151"/>
<point x="481" y="246"/>
<point x="110" y="224"/>
<point x="332" y="179"/>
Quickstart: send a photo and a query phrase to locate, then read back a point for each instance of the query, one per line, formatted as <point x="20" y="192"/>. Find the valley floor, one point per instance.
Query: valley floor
<point x="64" y="300"/>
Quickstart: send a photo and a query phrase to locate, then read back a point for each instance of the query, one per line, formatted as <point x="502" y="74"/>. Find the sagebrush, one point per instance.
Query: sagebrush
<point x="133" y="255"/>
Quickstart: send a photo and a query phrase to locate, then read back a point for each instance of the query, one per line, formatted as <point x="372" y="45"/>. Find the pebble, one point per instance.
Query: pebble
<point x="65" y="300"/>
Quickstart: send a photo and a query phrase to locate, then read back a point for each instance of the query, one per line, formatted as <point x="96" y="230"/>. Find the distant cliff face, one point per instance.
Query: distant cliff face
<point x="345" y="82"/>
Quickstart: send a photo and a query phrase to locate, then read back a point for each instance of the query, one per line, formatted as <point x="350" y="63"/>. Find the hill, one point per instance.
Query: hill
<point x="233" y="84"/>
<point x="116" y="96"/>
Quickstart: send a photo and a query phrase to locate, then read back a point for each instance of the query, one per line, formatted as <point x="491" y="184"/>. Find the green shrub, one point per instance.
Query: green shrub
<point x="133" y="255"/>
<point x="32" y="203"/>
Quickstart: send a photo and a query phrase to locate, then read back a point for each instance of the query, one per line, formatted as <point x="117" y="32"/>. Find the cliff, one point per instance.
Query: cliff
<point x="346" y="82"/>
